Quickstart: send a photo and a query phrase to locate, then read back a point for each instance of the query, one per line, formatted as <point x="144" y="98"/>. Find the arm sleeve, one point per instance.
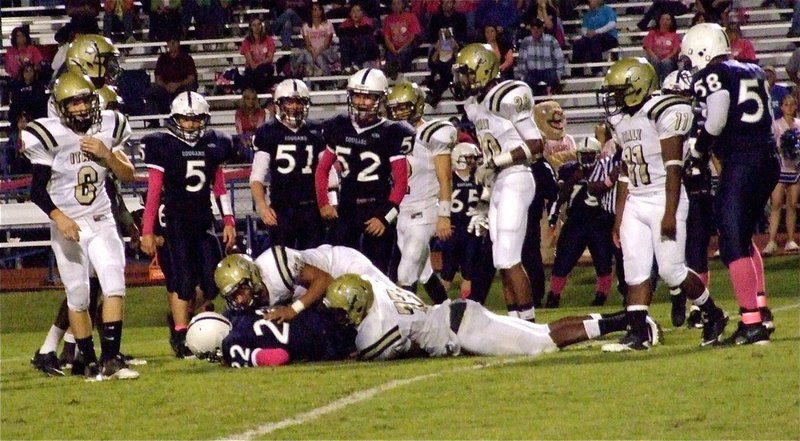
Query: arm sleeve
<point x="321" y="176"/>
<point x="224" y="198"/>
<point x="40" y="177"/>
<point x="260" y="170"/>
<point x="718" y="104"/>
<point x="400" y="180"/>
<point x="155" y="179"/>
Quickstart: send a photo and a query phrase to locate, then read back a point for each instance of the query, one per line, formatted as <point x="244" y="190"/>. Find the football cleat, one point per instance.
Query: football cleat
<point x="655" y="334"/>
<point x="756" y="334"/>
<point x="47" y="363"/>
<point x="678" y="313"/>
<point x="178" y="344"/>
<point x="130" y="360"/>
<point x="713" y="327"/>
<point x="91" y="372"/>
<point x="695" y="319"/>
<point x="67" y="355"/>
<point x="599" y="299"/>
<point x="630" y="342"/>
<point x="552" y="301"/>
<point x="767" y="319"/>
<point x="116" y="368"/>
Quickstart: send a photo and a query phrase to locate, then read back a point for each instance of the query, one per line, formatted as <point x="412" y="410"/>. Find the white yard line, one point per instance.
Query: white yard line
<point x="357" y="397"/>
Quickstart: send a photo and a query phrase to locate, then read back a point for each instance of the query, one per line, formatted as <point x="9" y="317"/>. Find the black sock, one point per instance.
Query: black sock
<point x="710" y="308"/>
<point x="637" y="320"/>
<point x="86" y="349"/>
<point x="109" y="342"/>
<point x="435" y="289"/>
<point x="615" y="322"/>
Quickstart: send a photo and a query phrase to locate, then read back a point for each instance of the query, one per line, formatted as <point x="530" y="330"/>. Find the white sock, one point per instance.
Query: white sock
<point x="675" y="291"/>
<point x="69" y="338"/>
<point x="513" y="314"/>
<point x="592" y="328"/>
<point x="702" y="299"/>
<point x="54" y="336"/>
<point x="527" y="314"/>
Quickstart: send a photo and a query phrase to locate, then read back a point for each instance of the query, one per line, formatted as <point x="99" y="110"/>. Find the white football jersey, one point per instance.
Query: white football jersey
<point x="495" y="117"/>
<point x="433" y="138"/>
<point x="281" y="266"/>
<point x="640" y="136"/>
<point x="77" y="185"/>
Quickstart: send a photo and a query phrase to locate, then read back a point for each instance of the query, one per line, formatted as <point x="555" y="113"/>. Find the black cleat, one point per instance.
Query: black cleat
<point x="630" y="342"/>
<point x="67" y="356"/>
<point x="713" y="329"/>
<point x="767" y="319"/>
<point x="599" y="299"/>
<point x="47" y="363"/>
<point x="178" y="344"/>
<point x="91" y="371"/>
<point x="117" y="368"/>
<point x="695" y="319"/>
<point x="553" y="301"/>
<point x="755" y="334"/>
<point x="678" y="313"/>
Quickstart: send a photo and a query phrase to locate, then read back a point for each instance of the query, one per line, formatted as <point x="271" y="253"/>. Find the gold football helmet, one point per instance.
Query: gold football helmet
<point x="549" y="118"/>
<point x="406" y="102"/>
<point x="627" y="85"/>
<point x="109" y="98"/>
<point x="351" y="294"/>
<point x="475" y="67"/>
<point x="76" y="101"/>
<point x="95" y="56"/>
<point x="234" y="272"/>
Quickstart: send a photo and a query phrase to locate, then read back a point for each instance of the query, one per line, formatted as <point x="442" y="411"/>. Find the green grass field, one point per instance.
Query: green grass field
<point x="675" y="391"/>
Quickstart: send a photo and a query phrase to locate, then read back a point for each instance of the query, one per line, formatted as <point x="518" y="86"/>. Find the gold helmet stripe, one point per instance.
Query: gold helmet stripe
<point x="385" y="342"/>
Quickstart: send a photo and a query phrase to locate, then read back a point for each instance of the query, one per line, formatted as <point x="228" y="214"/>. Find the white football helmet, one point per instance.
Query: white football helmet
<point x="464" y="156"/>
<point x="205" y="334"/>
<point x="702" y="43"/>
<point x="588" y="150"/>
<point x="370" y="82"/>
<point x="677" y="82"/>
<point x="292" y="89"/>
<point x="193" y="106"/>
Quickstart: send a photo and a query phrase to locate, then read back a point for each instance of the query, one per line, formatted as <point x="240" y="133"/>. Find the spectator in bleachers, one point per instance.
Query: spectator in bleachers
<point x="424" y="10"/>
<point x="502" y="14"/>
<point x="662" y="45"/>
<point x="20" y="52"/>
<point x="659" y="7"/>
<point x="28" y="94"/>
<point x="209" y="17"/>
<point x="447" y="32"/>
<point x="540" y="62"/>
<point x="794" y="28"/>
<point x="165" y="20"/>
<point x="547" y="11"/>
<point x="776" y="91"/>
<point x="85" y="12"/>
<point x="699" y="17"/>
<point x="598" y="34"/>
<point x="357" y="41"/>
<point x="14" y="161"/>
<point x="742" y="49"/>
<point x="401" y="33"/>
<point x="258" y="49"/>
<point x="175" y="73"/>
<point x="713" y="9"/>
<point x="788" y="188"/>
<point x="502" y="47"/>
<point x="288" y="14"/>
<point x="320" y="54"/>
<point x="119" y="13"/>
<point x="468" y="8"/>
<point x="792" y="68"/>
<point x="249" y="116"/>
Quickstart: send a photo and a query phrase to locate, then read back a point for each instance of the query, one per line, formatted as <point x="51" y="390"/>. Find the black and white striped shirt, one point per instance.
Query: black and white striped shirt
<point x="602" y="170"/>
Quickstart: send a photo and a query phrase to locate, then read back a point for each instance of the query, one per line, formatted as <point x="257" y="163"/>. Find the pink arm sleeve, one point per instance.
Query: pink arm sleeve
<point x="155" y="179"/>
<point x="400" y="178"/>
<point x="271" y="357"/>
<point x="321" y="177"/>
<point x="219" y="191"/>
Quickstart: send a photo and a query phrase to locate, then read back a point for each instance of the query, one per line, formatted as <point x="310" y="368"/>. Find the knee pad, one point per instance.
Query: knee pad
<point x="78" y="297"/>
<point x="673" y="276"/>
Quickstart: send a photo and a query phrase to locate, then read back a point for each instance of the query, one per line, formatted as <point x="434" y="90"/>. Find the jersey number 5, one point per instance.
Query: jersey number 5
<point x="195" y="168"/>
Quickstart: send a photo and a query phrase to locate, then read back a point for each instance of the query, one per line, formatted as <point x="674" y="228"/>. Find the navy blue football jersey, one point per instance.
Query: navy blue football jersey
<point x="189" y="171"/>
<point x="749" y="122"/>
<point x="580" y="202"/>
<point x="466" y="193"/>
<point x="311" y="336"/>
<point x="366" y="155"/>
<point x="294" y="156"/>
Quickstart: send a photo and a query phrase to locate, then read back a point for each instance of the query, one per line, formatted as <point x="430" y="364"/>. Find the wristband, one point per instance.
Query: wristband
<point x="443" y="209"/>
<point x="390" y="215"/>
<point x="229" y="220"/>
<point x="623" y="179"/>
<point x="298" y="306"/>
<point x="502" y="160"/>
<point x="673" y="162"/>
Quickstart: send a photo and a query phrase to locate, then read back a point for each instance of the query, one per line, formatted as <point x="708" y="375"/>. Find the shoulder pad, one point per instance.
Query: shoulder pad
<point x="508" y="92"/>
<point x="665" y="103"/>
<point x="38" y="128"/>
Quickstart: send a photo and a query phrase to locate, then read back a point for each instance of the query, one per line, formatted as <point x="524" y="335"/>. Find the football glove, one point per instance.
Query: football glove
<point x="697" y="176"/>
<point x="478" y="219"/>
<point x="485" y="174"/>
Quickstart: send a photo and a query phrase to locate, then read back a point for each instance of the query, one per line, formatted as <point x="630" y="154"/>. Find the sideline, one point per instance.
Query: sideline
<point x="359" y="396"/>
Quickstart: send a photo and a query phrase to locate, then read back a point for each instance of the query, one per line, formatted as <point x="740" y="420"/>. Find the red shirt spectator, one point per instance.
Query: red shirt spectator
<point x="663" y="44"/>
<point x="22" y="51"/>
<point x="741" y="48"/>
<point x="401" y="29"/>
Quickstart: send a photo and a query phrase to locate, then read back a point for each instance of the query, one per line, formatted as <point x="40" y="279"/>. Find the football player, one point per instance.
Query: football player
<point x="583" y="183"/>
<point x="186" y="163"/>
<point x="652" y="205"/>
<point x="372" y="154"/>
<point x="392" y="323"/>
<point x="289" y="280"/>
<point x="287" y="151"/>
<point x="738" y="130"/>
<point x="425" y="210"/>
<point x="71" y="156"/>
<point x="461" y="251"/>
<point x="501" y="112"/>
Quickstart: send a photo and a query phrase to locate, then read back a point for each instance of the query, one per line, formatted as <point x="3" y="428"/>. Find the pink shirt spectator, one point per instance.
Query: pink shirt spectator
<point x="248" y="122"/>
<point x="15" y="58"/>
<point x="743" y="50"/>
<point x="262" y="51"/>
<point x="663" y="44"/>
<point x="318" y="35"/>
<point x="778" y="127"/>
<point x="401" y="29"/>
